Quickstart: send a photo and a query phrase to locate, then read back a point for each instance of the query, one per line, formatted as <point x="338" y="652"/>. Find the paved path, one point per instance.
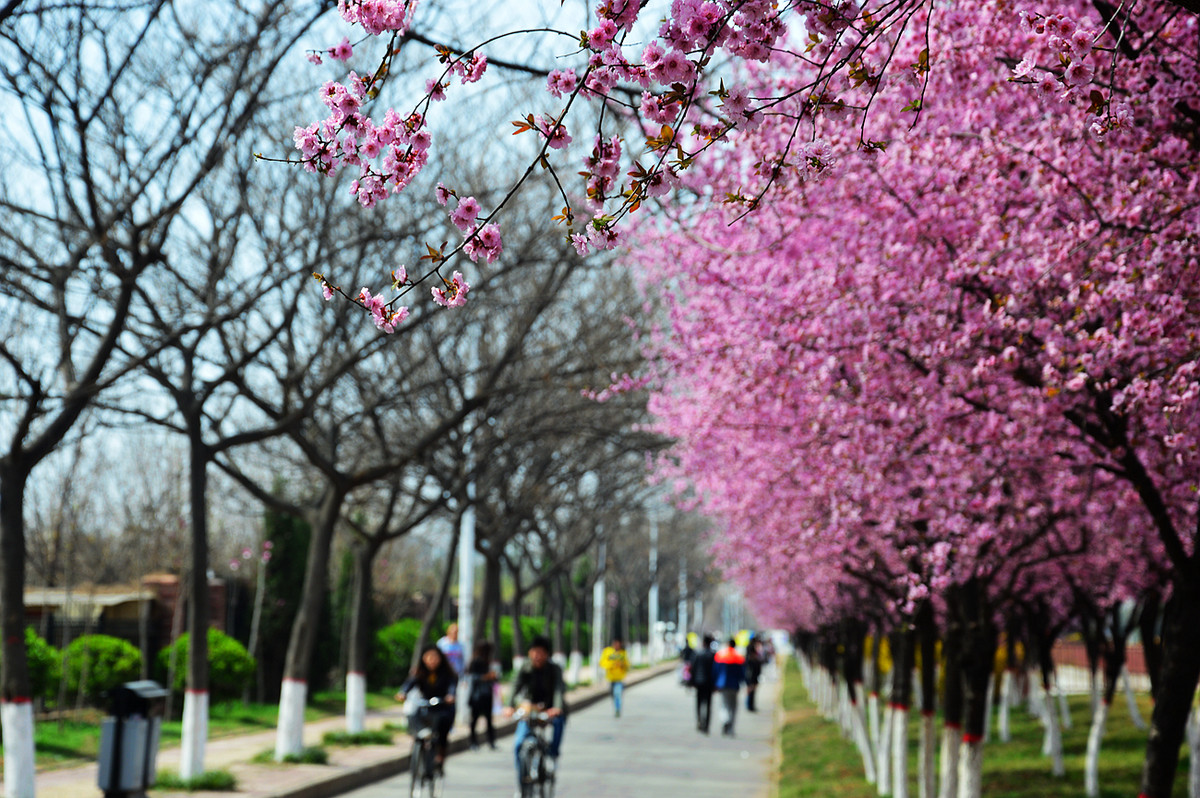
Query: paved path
<point x="653" y="750"/>
<point x="656" y="740"/>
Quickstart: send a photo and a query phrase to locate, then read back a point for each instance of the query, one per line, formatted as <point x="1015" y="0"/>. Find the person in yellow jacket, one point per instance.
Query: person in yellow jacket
<point x="615" y="663"/>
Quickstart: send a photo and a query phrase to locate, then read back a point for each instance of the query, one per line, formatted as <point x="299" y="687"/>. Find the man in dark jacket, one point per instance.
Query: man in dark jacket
<point x="539" y="683"/>
<point x="702" y="681"/>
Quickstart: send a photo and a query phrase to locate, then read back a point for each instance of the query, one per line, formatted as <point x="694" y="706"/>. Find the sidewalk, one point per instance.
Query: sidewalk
<point x="348" y="768"/>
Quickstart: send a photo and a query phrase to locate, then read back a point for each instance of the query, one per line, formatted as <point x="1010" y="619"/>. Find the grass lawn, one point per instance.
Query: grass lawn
<point x="815" y="756"/>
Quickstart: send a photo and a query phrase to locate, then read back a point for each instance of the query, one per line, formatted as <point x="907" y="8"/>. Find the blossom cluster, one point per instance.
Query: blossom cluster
<point x="970" y="354"/>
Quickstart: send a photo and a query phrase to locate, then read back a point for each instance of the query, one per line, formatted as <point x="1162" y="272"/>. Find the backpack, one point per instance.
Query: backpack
<point x="481" y="692"/>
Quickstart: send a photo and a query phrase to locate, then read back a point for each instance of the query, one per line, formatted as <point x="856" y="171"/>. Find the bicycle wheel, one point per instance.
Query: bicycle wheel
<point x="548" y="776"/>
<point x="416" y="769"/>
<point x="530" y="765"/>
<point x="434" y="774"/>
<point x="437" y="783"/>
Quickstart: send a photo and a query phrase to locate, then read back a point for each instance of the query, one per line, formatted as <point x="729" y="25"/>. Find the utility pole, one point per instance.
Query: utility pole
<point x="655" y="642"/>
<point x="683" y="602"/>
<point x="598" y="615"/>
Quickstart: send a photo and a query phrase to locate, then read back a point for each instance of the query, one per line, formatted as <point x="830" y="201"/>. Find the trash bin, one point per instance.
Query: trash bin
<point x="129" y="739"/>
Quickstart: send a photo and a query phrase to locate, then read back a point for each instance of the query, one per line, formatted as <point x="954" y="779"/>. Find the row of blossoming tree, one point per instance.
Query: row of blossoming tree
<point x="932" y="279"/>
<point x="957" y="373"/>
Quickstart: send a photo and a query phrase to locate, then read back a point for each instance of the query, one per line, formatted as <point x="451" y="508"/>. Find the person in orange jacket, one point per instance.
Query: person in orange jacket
<point x="729" y="673"/>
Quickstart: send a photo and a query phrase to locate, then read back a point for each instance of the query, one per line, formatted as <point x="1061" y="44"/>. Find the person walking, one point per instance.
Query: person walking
<point x="615" y="663"/>
<point x="754" y="667"/>
<point x="729" y="672"/>
<point x="453" y="649"/>
<point x="701" y="679"/>
<point x="482" y="676"/>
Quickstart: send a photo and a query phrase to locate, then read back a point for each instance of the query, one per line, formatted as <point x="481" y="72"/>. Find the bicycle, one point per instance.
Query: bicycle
<point x="428" y="777"/>
<point x="536" y="764"/>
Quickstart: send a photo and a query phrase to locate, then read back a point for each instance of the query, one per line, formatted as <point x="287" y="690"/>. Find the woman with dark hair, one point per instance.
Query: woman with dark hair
<point x="433" y="678"/>
<point x="479" y="698"/>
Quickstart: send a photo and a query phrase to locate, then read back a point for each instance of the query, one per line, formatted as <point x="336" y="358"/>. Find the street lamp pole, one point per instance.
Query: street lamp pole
<point x="598" y="616"/>
<point x="655" y="643"/>
<point x="683" y="602"/>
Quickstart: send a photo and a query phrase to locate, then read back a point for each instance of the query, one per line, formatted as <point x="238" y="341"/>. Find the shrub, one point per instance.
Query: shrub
<point x="208" y="781"/>
<point x="230" y="666"/>
<point x="368" y="737"/>
<point x="308" y="756"/>
<point x="107" y="662"/>
<point x="393" y="652"/>
<point x="45" y="665"/>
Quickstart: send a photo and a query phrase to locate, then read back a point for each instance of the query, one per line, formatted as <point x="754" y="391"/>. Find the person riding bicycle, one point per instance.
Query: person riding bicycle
<point x="433" y="678"/>
<point x="540" y="683"/>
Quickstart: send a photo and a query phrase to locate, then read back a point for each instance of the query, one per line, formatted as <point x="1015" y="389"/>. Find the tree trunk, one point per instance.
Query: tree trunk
<point x="853" y="634"/>
<point x="1180" y="670"/>
<point x="1151" y="640"/>
<point x="497" y="604"/>
<point x="560" y="616"/>
<point x="927" y="640"/>
<point x="16" y="705"/>
<point x="518" y="596"/>
<point x="952" y="702"/>
<point x="1052" y="745"/>
<point x="903" y="655"/>
<point x="195" y="700"/>
<point x="1135" y="712"/>
<point x="289" y="739"/>
<point x="260" y="590"/>
<point x="359" y="636"/>
<point x="979" y="658"/>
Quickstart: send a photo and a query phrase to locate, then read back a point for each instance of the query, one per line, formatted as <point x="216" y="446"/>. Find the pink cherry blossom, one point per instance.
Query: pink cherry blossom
<point x="342" y="52"/>
<point x="465" y="213"/>
<point x="454" y="292"/>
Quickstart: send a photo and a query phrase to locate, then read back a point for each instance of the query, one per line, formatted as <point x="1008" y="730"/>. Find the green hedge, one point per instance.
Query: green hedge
<point x="109" y="661"/>
<point x="45" y="665"/>
<point x="393" y="653"/>
<point x="531" y="626"/>
<point x="230" y="666"/>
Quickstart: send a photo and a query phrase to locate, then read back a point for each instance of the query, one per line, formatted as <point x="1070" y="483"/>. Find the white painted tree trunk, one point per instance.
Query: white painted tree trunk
<point x="948" y="767"/>
<point x="1047" y="720"/>
<point x="16" y="717"/>
<point x="844" y="710"/>
<point x="1091" y="769"/>
<point x="1006" y="683"/>
<point x="883" y="755"/>
<point x="195" y="734"/>
<point x="970" y="770"/>
<point x="863" y="742"/>
<point x="927" y="763"/>
<point x="1052" y="741"/>
<point x="1037" y="695"/>
<point x="289" y="736"/>
<point x="574" y="667"/>
<point x="1135" y="712"/>
<point x="356" y="702"/>
<point x="1193" y="738"/>
<point x="873" y="719"/>
<point x="1064" y="711"/>
<point x="1096" y="689"/>
<point x="900" y="752"/>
